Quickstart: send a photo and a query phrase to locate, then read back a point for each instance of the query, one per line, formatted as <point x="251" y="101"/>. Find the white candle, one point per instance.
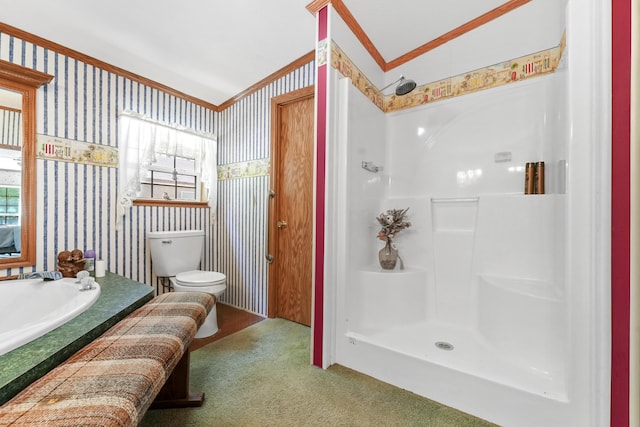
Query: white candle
<point x="100" y="267"/>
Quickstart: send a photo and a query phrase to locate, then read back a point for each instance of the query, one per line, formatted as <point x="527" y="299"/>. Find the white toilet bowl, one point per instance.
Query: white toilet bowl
<point x="211" y="282"/>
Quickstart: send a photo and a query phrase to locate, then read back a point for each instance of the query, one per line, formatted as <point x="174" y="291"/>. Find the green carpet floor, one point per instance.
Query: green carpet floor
<point x="261" y="376"/>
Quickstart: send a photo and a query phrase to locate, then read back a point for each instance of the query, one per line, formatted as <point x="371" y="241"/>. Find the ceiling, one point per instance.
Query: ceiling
<point x="215" y="49"/>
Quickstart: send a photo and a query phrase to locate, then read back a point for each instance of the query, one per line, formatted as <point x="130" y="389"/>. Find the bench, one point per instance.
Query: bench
<point x="114" y="380"/>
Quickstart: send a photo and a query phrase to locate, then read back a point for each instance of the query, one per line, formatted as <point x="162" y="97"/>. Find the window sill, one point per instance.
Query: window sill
<point x="169" y="203"/>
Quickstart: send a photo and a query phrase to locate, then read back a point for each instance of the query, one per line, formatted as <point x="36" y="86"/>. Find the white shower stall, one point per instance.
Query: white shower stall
<point x="480" y="318"/>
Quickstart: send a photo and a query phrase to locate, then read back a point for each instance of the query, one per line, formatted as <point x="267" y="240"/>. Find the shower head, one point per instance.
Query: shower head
<point x="404" y="86"/>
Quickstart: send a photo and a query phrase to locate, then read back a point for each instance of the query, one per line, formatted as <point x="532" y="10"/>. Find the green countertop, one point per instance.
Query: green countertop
<point x="119" y="296"/>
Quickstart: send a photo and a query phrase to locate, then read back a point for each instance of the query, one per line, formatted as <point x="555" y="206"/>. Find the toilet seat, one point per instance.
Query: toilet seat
<point x="210" y="282"/>
<point x="197" y="278"/>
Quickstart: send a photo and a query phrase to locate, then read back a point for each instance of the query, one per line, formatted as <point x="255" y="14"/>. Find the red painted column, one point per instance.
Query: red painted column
<point x="620" y="210"/>
<point x="321" y="144"/>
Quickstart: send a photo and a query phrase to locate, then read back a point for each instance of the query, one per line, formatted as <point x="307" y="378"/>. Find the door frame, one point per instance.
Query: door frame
<point x="272" y="243"/>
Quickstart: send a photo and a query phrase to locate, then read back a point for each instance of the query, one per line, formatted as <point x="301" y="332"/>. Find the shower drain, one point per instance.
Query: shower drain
<point x="442" y="345"/>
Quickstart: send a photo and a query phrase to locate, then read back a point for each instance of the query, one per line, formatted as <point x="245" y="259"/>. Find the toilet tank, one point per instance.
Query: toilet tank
<point x="173" y="252"/>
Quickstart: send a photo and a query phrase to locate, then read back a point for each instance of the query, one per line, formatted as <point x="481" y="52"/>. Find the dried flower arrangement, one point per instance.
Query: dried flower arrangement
<point x="392" y="222"/>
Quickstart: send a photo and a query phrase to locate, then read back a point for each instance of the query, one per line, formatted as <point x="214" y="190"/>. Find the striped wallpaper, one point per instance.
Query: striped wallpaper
<point x="10" y="127"/>
<point x="244" y="133"/>
<point x="75" y="203"/>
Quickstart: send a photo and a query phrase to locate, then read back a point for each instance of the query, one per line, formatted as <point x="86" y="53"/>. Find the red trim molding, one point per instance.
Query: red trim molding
<point x="321" y="144"/>
<point x="620" y="210"/>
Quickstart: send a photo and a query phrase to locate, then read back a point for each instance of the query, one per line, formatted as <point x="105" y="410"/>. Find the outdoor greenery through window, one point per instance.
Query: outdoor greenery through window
<point x="163" y="161"/>
<point x="171" y="177"/>
<point x="9" y="205"/>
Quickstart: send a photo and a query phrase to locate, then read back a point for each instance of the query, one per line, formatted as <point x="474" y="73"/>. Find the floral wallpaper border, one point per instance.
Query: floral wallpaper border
<point x="69" y="150"/>
<point x="524" y="67"/>
<point x="252" y="168"/>
<point x="517" y="69"/>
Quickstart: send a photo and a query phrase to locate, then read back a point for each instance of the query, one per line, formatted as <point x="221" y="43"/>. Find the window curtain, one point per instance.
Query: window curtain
<point x="140" y="138"/>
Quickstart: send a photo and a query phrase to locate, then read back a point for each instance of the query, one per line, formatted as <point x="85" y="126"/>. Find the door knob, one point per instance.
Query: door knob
<point x="282" y="224"/>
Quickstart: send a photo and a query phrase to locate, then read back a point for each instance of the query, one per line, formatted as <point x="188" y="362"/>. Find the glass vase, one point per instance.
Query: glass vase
<point x="388" y="256"/>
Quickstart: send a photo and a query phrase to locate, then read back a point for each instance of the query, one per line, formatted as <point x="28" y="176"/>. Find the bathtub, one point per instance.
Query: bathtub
<point x="31" y="308"/>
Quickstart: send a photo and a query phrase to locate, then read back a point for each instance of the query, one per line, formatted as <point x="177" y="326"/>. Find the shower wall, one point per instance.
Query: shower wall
<point x="458" y="165"/>
<point x="486" y="138"/>
<point x="463" y="162"/>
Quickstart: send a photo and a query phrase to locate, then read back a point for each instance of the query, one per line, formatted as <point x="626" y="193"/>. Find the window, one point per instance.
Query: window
<point x="160" y="161"/>
<point x="171" y="177"/>
<point x="9" y="205"/>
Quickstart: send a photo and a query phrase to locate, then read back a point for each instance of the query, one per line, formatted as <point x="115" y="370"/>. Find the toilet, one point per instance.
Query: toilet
<point x="176" y="255"/>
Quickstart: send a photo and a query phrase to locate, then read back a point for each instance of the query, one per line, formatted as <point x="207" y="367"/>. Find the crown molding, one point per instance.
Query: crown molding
<point x="304" y="59"/>
<point x="385" y="66"/>
<point x="19" y="74"/>
<point x="455" y="33"/>
<point x="316" y="5"/>
<point x="74" y="54"/>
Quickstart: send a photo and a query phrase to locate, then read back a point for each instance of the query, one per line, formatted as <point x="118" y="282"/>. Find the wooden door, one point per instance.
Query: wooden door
<point x="291" y="213"/>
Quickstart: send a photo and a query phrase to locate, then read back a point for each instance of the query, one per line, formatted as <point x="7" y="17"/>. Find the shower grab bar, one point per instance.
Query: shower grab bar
<point x="267" y="255"/>
<point x="454" y="199"/>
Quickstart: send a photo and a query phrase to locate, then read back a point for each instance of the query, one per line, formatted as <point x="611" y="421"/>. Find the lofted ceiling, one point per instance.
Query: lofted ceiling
<point x="215" y="49"/>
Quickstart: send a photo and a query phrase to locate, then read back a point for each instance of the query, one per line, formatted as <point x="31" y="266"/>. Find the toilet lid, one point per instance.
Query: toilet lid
<point x="201" y="278"/>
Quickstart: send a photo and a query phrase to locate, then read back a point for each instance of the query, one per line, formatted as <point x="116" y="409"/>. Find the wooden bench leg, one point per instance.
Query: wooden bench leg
<point x="175" y="392"/>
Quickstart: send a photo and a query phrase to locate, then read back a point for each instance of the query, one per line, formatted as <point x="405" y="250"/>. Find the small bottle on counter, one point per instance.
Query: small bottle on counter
<point x="89" y="260"/>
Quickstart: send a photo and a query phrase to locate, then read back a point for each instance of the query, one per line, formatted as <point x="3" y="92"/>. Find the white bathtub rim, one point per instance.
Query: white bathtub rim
<point x="11" y="341"/>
